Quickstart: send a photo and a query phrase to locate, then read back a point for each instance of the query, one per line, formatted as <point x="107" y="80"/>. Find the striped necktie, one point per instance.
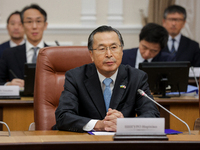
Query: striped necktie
<point x="34" y="59"/>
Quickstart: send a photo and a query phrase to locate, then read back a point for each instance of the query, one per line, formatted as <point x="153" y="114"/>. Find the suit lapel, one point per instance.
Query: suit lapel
<point x="118" y="91"/>
<point x="182" y="46"/>
<point x="93" y="87"/>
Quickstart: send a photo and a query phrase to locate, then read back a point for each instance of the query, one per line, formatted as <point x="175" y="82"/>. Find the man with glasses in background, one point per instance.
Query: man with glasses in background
<point x="180" y="47"/>
<point x="33" y="19"/>
<point x="15" y="30"/>
<point x="96" y="94"/>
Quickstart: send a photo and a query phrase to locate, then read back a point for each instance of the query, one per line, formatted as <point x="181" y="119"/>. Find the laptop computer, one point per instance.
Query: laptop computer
<point x="29" y="79"/>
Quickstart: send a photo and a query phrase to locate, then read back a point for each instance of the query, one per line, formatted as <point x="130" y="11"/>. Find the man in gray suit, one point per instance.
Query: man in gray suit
<point x="96" y="94"/>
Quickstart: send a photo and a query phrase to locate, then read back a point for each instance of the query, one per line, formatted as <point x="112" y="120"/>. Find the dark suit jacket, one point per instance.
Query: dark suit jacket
<point x="4" y="46"/>
<point x="188" y="50"/>
<point x="129" y="57"/>
<point x="82" y="98"/>
<point x="14" y="59"/>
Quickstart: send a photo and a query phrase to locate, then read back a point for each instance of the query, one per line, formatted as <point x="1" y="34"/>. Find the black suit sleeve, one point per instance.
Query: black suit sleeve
<point x="67" y="113"/>
<point x="3" y="71"/>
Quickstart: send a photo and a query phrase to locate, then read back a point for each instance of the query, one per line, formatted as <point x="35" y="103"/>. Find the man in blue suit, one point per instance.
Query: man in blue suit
<point x="152" y="38"/>
<point x="34" y="21"/>
<point x="179" y="46"/>
<point x="15" y="30"/>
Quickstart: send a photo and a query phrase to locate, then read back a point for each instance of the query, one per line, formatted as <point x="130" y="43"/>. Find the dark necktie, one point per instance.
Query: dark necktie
<point x="34" y="59"/>
<point x="107" y="92"/>
<point x="145" y="60"/>
<point x="173" y="51"/>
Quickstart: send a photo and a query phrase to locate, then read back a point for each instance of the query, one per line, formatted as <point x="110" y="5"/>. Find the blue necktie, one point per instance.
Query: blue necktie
<point x="34" y="59"/>
<point x="107" y="92"/>
<point x="173" y="51"/>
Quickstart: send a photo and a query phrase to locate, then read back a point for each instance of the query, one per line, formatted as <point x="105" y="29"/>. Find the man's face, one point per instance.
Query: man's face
<point x="108" y="52"/>
<point x="149" y="50"/>
<point x="174" y="23"/>
<point x="34" y="25"/>
<point x="15" y="28"/>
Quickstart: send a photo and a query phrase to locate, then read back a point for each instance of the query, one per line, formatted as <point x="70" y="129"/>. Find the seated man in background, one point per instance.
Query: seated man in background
<point x="153" y="38"/>
<point x="15" y="30"/>
<point x="179" y="46"/>
<point x="33" y="19"/>
<point x="96" y="94"/>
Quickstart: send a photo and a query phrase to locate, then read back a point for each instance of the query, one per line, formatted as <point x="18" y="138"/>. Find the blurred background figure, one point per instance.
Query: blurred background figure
<point x="15" y="30"/>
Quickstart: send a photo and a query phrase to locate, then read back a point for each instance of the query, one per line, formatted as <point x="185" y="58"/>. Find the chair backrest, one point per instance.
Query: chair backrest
<point x="52" y="63"/>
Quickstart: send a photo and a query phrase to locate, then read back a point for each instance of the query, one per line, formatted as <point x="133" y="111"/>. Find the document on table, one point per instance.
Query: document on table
<point x="101" y="133"/>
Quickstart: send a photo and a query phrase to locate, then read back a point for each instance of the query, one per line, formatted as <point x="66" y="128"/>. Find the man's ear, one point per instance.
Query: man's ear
<point x="91" y="55"/>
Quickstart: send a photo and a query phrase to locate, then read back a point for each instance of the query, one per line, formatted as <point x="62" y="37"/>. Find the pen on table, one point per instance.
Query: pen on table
<point x="13" y="73"/>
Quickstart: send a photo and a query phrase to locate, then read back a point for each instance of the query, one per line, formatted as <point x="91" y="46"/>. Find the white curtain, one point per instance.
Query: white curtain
<point x="192" y="26"/>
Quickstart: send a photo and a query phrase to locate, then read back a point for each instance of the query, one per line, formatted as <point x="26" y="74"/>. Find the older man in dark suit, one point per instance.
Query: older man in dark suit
<point x="34" y="22"/>
<point x="96" y="94"/>
<point x="179" y="46"/>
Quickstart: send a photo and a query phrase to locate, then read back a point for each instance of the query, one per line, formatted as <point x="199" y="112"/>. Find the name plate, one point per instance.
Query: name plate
<point x="9" y="90"/>
<point x="140" y="126"/>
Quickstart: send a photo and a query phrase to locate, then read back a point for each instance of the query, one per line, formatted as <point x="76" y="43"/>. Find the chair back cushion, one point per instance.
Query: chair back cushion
<point x="52" y="63"/>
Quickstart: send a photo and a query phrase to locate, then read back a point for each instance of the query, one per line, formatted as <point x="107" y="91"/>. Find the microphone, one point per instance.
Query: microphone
<point x="192" y="68"/>
<point x="145" y="95"/>
<point x="57" y="43"/>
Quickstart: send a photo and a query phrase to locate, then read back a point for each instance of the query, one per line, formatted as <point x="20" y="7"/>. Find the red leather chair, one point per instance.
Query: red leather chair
<point x="52" y="63"/>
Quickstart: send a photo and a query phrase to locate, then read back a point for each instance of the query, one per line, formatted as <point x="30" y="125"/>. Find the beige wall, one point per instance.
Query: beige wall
<point x="64" y="18"/>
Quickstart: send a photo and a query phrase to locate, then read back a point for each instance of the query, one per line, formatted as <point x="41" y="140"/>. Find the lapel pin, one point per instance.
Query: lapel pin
<point x="123" y="86"/>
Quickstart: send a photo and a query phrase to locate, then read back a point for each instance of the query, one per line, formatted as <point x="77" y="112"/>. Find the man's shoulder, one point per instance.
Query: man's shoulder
<point x="4" y="45"/>
<point x="187" y="39"/>
<point x="82" y="69"/>
<point x="163" y="56"/>
<point x="132" y="50"/>
<point x="13" y="51"/>
<point x="130" y="70"/>
<point x="19" y="47"/>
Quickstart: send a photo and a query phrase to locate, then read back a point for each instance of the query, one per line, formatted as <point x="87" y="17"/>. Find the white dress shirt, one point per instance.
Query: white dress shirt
<point x="13" y="44"/>
<point x="90" y="125"/>
<point x="176" y="42"/>
<point x="30" y="51"/>
<point x="140" y="59"/>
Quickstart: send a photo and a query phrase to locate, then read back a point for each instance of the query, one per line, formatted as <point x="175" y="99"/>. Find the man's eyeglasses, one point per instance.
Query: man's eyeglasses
<point x="113" y="48"/>
<point x="175" y="19"/>
<point x="31" y="22"/>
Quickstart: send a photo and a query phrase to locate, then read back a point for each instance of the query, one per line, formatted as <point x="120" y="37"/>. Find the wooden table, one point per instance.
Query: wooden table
<point x="51" y="140"/>
<point x="185" y="107"/>
<point x="18" y="114"/>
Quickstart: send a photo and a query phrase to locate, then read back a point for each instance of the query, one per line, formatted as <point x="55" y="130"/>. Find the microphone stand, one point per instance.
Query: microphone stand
<point x="144" y="94"/>
<point x="1" y="122"/>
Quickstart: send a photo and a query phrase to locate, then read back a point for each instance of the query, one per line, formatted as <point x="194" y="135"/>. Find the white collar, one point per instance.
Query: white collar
<point x="102" y="77"/>
<point x="29" y="46"/>
<point x="13" y="44"/>
<point x="177" y="38"/>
